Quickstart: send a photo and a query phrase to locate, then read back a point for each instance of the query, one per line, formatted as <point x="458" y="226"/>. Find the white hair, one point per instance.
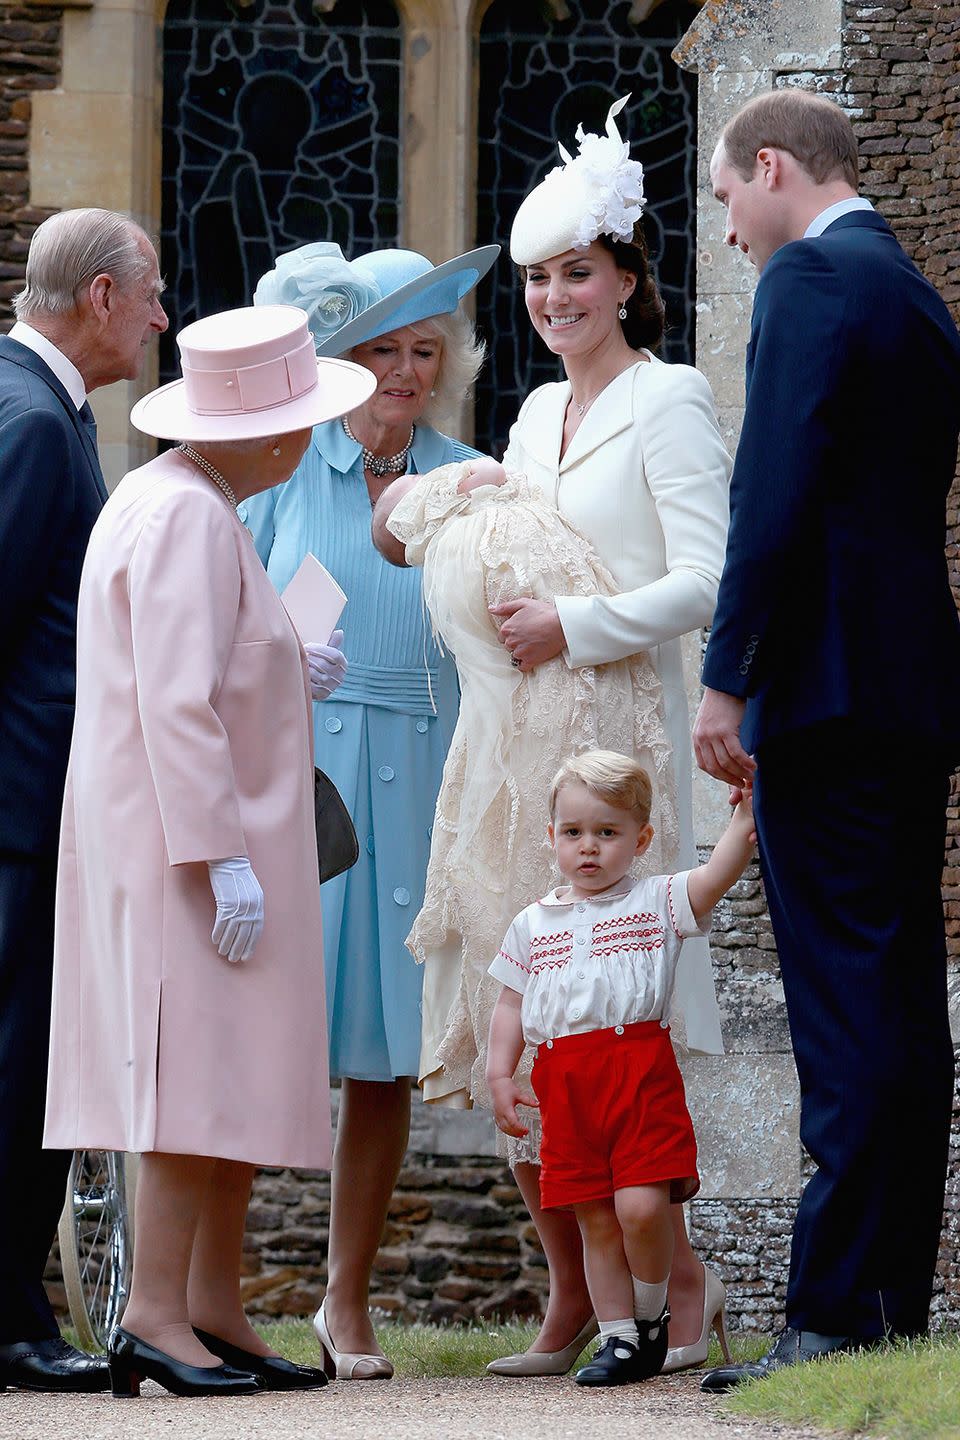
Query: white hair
<point x="69" y="251"/>
<point x="462" y="353"/>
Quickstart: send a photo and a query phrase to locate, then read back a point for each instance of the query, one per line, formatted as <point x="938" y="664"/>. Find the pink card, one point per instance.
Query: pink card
<point x="314" y="601"/>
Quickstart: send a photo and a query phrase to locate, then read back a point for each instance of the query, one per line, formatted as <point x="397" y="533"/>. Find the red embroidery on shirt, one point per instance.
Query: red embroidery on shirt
<point x="645" y="917"/>
<point x="673" y="918"/>
<point x="556" y="944"/>
<point x="638" y="938"/>
<point x="502" y="955"/>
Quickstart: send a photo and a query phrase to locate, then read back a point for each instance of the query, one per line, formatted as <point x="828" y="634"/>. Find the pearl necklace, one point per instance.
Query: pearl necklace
<point x="208" y="469"/>
<point x="380" y="465"/>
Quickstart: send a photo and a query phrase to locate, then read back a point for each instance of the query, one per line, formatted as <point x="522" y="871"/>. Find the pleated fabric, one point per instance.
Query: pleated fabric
<point x="382" y="738"/>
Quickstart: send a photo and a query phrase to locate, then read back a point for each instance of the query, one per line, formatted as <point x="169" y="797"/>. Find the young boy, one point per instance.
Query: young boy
<point x="587" y="975"/>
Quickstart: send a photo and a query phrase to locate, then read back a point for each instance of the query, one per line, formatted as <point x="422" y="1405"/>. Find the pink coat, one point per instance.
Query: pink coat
<point x="192" y="742"/>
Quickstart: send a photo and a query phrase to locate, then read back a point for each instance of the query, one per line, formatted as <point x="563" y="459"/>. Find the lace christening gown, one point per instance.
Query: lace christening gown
<point x="490" y="855"/>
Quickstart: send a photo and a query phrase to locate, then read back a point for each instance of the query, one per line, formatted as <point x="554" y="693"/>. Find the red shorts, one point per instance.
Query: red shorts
<point x="614" y="1114"/>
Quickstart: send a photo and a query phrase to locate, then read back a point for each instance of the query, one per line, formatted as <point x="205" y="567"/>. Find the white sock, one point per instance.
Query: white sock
<point x="649" y="1300"/>
<point x="619" y="1329"/>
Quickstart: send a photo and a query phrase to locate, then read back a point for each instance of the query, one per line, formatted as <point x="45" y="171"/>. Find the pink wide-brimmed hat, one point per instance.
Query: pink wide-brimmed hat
<point x="250" y="373"/>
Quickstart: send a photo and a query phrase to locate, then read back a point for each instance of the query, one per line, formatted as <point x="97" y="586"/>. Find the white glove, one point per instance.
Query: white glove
<point x="328" y="665"/>
<point x="239" y="900"/>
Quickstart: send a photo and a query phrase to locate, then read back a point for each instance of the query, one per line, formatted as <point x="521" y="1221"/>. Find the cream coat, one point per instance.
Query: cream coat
<point x="192" y="742"/>
<point x="645" y="479"/>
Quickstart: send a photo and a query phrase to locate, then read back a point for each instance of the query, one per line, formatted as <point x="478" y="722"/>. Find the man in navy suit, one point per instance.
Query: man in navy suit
<point x="90" y="306"/>
<point x="833" y="684"/>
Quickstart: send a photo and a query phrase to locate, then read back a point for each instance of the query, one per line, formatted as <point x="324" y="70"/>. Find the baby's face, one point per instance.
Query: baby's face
<point x="483" y="471"/>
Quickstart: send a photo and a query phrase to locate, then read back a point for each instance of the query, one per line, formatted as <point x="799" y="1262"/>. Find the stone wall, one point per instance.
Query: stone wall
<point x="29" y="61"/>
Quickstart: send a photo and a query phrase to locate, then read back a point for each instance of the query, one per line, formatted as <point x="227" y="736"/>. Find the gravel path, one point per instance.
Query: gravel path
<point x="396" y="1410"/>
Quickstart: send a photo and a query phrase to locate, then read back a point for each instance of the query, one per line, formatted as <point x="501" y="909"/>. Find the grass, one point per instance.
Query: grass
<point x="909" y="1392"/>
<point x="432" y="1351"/>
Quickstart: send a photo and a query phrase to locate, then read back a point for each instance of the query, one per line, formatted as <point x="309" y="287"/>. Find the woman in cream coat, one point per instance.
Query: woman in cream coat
<point x="629" y="451"/>
<point x="188" y="1014"/>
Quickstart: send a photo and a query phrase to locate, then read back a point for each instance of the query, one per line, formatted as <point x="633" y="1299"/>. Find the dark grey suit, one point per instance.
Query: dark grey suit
<point x="51" y="491"/>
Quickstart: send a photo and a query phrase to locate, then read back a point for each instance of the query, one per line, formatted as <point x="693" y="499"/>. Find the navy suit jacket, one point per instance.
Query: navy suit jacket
<point x="835" y="599"/>
<point x="51" y="492"/>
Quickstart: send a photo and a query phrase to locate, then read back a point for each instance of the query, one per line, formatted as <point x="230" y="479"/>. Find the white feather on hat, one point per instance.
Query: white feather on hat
<point x="597" y="192"/>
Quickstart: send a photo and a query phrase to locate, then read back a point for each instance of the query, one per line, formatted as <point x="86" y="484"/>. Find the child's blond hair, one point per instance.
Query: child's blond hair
<point x="618" y="779"/>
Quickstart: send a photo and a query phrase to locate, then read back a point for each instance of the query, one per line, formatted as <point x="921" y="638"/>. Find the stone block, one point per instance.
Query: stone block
<point x="126" y="36"/>
<point x="742" y="35"/>
<point x="753" y="1016"/>
<point x="435" y="1130"/>
<point x="747" y="1114"/>
<point x="723" y="330"/>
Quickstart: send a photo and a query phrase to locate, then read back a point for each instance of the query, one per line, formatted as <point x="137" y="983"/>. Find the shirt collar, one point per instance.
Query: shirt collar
<point x="622" y="890"/>
<point x="64" y="369"/>
<point x="833" y="212"/>
<point x="341" y="453"/>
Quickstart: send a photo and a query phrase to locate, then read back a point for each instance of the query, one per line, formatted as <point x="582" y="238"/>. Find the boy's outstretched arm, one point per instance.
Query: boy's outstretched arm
<point x="731" y="856"/>
<point x="504" y="1048"/>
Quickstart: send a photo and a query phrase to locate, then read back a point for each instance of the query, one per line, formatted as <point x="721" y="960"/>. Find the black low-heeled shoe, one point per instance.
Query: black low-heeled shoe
<point x="132" y="1360"/>
<point x="273" y="1371"/>
<point x="619" y="1362"/>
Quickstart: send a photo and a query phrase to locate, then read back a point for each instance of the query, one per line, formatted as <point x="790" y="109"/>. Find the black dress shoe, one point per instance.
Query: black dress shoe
<point x="51" y="1365"/>
<point x="132" y="1360"/>
<point x="618" y="1362"/>
<point x="793" y="1347"/>
<point x="273" y="1372"/>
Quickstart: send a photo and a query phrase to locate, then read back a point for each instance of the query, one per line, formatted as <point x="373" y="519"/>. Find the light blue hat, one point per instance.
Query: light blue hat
<point x="350" y="301"/>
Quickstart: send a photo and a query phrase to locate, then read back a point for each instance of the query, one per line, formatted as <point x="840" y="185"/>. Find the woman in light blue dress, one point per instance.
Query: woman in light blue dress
<point x="383" y="736"/>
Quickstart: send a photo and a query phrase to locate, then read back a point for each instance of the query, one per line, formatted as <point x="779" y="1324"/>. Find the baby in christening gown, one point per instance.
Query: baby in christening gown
<point x="484" y="537"/>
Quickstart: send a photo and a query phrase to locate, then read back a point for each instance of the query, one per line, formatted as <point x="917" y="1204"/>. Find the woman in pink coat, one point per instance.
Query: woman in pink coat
<point x="188" y="1016"/>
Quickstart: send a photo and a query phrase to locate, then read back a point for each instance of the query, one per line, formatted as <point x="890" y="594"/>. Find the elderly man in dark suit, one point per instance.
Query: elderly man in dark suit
<point x="833" y="677"/>
<point x="90" y="306"/>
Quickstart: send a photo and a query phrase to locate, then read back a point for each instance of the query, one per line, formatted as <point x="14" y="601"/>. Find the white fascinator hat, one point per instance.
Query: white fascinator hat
<point x="597" y="192"/>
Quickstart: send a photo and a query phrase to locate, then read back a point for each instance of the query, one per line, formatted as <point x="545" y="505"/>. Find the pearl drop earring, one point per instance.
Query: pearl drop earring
<point x="276" y="449"/>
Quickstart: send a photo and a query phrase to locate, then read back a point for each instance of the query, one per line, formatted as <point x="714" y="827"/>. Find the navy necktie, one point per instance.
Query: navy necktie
<point x="86" y="415"/>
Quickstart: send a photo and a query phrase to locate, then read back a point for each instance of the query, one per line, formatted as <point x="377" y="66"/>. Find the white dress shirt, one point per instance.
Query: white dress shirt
<point x="833" y="212"/>
<point x="593" y="964"/>
<point x="64" y="369"/>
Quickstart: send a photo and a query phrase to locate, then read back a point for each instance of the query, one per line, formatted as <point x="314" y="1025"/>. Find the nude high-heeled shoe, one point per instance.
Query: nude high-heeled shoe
<point x="545" y="1362"/>
<point x="341" y="1364"/>
<point x="685" y="1357"/>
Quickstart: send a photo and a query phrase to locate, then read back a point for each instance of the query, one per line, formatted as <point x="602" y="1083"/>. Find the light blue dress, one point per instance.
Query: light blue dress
<point x="380" y="738"/>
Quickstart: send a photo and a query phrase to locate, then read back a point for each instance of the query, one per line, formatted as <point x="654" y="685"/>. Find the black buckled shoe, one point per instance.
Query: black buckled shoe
<point x="793" y="1347"/>
<point x="618" y="1362"/>
<point x="51" y="1365"/>
<point x="273" y="1371"/>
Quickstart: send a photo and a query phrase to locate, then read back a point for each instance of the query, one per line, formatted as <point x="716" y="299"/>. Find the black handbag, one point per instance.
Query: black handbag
<point x="337" y="847"/>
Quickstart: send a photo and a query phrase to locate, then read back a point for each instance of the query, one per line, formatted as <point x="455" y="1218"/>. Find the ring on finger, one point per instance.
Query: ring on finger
<point x="515" y="661"/>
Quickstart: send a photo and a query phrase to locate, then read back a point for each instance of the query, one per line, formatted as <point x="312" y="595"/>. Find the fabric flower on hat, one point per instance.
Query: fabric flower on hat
<point x="597" y="192"/>
<point x="612" y="181"/>
<point x="320" y="280"/>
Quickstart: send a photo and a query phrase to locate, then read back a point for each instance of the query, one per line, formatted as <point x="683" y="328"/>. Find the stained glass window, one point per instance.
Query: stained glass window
<point x="539" y="77"/>
<point x="280" y="126"/>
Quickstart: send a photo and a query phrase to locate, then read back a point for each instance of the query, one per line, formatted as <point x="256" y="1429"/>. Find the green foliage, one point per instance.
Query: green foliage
<point x="908" y="1392"/>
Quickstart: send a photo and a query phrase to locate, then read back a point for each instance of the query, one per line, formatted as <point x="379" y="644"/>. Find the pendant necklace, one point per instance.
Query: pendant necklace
<point x="208" y="469"/>
<point x="380" y="465"/>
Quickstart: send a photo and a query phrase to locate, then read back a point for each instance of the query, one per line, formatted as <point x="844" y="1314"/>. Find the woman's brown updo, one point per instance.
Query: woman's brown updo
<point x="645" y="322"/>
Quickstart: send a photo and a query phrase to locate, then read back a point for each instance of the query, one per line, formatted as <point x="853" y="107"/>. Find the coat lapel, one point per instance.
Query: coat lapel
<point x="611" y="412"/>
<point x="27" y="359"/>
